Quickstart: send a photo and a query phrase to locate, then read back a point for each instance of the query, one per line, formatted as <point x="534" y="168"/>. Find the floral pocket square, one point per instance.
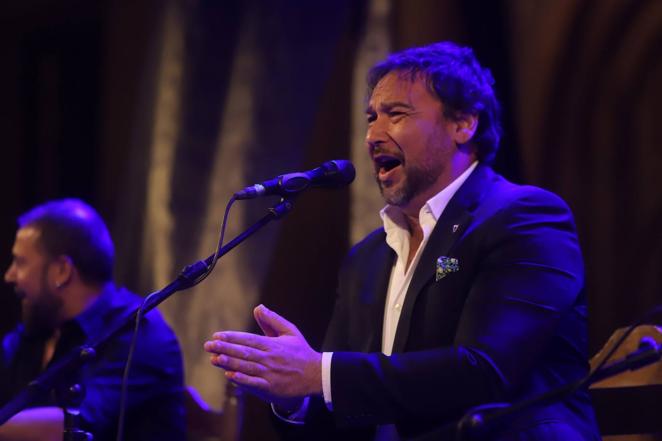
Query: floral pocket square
<point x="446" y="265"/>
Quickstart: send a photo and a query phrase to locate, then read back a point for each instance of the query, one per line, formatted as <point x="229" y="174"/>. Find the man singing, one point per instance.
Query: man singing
<point x="471" y="293"/>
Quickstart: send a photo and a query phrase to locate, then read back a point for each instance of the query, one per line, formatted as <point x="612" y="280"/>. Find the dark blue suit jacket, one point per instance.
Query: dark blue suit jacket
<point x="509" y="323"/>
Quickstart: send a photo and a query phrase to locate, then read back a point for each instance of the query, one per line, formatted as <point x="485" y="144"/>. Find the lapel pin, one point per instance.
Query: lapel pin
<point x="455" y="227"/>
<point x="446" y="265"/>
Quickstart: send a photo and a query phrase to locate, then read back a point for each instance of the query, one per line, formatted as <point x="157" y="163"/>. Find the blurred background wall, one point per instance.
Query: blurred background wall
<point x="155" y="112"/>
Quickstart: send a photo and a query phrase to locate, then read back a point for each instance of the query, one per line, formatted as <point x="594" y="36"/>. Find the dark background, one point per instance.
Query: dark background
<point x="579" y="83"/>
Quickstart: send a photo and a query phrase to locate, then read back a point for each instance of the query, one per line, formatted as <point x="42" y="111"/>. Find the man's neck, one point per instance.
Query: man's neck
<point x="415" y="238"/>
<point x="49" y="348"/>
<point x="79" y="297"/>
<point x="460" y="162"/>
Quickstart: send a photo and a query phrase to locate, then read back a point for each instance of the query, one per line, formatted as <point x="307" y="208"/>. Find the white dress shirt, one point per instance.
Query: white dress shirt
<point x="398" y="237"/>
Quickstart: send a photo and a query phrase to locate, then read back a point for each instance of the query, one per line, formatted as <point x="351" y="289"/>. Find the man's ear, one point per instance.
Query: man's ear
<point x="62" y="270"/>
<point x="465" y="128"/>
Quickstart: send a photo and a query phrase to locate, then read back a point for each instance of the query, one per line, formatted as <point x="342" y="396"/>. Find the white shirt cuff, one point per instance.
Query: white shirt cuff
<point x="326" y="379"/>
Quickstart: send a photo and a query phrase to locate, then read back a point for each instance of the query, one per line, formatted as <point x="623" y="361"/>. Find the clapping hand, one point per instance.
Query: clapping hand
<point x="279" y="366"/>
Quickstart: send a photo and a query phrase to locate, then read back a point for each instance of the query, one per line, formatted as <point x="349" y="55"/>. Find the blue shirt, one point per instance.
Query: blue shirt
<point x="155" y="387"/>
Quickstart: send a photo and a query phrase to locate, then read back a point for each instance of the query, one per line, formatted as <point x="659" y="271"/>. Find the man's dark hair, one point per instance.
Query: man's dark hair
<point x="454" y="75"/>
<point x="71" y="227"/>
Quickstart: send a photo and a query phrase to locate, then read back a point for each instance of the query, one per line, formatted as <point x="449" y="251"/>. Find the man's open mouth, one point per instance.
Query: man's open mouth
<point x="386" y="163"/>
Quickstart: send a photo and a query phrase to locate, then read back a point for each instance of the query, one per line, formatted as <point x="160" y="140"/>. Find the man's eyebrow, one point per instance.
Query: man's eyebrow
<point x="386" y="106"/>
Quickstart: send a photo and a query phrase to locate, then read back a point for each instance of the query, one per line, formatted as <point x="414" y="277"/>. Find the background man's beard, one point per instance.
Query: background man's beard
<point x="39" y="315"/>
<point x="39" y="318"/>
<point x="416" y="180"/>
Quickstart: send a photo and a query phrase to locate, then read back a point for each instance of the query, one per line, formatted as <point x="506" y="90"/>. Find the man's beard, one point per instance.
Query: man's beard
<point x="39" y="315"/>
<point x="416" y="180"/>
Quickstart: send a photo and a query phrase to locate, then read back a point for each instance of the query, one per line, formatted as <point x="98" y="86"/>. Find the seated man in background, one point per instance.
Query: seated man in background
<point x="62" y="269"/>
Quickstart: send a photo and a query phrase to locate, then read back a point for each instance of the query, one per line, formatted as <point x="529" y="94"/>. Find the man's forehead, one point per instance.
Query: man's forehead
<point x="399" y="87"/>
<point x="394" y="83"/>
<point x="27" y="237"/>
<point x="28" y="232"/>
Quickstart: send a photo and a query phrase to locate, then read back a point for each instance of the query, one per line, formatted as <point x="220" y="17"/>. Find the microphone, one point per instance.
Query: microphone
<point x="331" y="174"/>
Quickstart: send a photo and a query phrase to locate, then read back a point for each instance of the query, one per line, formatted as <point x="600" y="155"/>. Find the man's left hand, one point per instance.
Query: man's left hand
<point x="277" y="367"/>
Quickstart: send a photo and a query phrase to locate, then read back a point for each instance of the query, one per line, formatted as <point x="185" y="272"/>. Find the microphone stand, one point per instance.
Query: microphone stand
<point x="70" y="401"/>
<point x="58" y="372"/>
<point x="482" y="420"/>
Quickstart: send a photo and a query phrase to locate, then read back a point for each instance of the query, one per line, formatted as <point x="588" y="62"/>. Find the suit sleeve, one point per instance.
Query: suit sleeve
<point x="527" y="274"/>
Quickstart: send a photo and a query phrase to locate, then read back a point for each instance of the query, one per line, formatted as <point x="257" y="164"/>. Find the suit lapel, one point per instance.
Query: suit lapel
<point x="454" y="220"/>
<point x="375" y="295"/>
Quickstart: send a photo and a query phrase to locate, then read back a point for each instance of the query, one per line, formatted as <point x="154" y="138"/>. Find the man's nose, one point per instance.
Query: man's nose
<point x="10" y="274"/>
<point x="376" y="133"/>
